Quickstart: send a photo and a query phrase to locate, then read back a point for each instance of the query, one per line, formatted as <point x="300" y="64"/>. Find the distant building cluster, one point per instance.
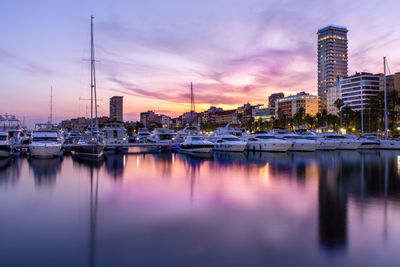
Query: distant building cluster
<point x="356" y="91"/>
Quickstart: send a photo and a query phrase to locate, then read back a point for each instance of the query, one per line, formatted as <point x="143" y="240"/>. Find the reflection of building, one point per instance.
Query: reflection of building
<point x="332" y="59"/>
<point x="359" y="89"/>
<point x="332" y="203"/>
<point x="291" y="104"/>
<point x="116" y="108"/>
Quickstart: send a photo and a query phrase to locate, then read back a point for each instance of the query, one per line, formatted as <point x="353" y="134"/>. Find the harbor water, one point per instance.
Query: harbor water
<point x="339" y="208"/>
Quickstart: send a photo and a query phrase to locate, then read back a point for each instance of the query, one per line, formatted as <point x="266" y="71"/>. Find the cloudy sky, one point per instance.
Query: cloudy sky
<point x="234" y="51"/>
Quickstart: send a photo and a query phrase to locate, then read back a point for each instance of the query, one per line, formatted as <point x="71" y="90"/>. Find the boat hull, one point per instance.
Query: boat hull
<point x="349" y="145"/>
<point x="389" y="144"/>
<point x="230" y="148"/>
<point x="89" y="150"/>
<point x="5" y="151"/>
<point x="305" y="147"/>
<point x="269" y="147"/>
<point x="328" y="145"/>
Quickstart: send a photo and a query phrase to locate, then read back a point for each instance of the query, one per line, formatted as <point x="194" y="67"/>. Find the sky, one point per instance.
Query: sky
<point x="233" y="51"/>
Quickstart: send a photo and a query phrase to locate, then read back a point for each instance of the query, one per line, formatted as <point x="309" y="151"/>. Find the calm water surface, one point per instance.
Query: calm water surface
<point x="227" y="209"/>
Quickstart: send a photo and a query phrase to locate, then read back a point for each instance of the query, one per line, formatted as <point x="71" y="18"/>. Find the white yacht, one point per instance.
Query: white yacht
<point x="114" y="133"/>
<point x="267" y="142"/>
<point x="196" y="144"/>
<point x="162" y="136"/>
<point x="142" y="135"/>
<point x="232" y="129"/>
<point x="324" y="143"/>
<point x="384" y="144"/>
<point x="300" y="143"/>
<point x="45" y="141"/>
<point x="228" y="142"/>
<point x="10" y="125"/>
<point x="366" y="143"/>
<point x="187" y="131"/>
<point x="344" y="143"/>
<point x="6" y="147"/>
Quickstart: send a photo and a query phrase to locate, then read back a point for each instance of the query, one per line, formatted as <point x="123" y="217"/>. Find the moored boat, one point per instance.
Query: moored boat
<point x="45" y="141"/>
<point x="267" y="142"/>
<point x="228" y="142"/>
<point x="196" y="144"/>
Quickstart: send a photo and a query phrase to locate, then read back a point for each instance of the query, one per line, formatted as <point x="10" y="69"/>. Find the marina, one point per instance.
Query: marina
<point x="225" y="208"/>
<point x="199" y="134"/>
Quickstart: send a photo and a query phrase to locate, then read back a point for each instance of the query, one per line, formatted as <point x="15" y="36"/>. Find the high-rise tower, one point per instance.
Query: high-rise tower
<point x="332" y="59"/>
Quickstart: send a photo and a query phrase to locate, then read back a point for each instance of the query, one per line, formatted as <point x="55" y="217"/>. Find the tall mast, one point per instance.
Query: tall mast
<point x="51" y="105"/>
<point x="192" y="105"/>
<point x="91" y="75"/>
<point x="385" y="96"/>
<point x="94" y="82"/>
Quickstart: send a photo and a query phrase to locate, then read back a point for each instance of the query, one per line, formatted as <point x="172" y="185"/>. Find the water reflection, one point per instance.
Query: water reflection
<point x="249" y="209"/>
<point x="45" y="170"/>
<point x="9" y="171"/>
<point x="94" y="190"/>
<point x="115" y="164"/>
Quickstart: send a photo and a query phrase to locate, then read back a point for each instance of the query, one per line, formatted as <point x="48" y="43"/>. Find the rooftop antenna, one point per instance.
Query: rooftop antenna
<point x="192" y="105"/>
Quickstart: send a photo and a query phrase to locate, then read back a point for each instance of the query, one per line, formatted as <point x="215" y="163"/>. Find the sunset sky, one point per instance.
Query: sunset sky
<point x="149" y="51"/>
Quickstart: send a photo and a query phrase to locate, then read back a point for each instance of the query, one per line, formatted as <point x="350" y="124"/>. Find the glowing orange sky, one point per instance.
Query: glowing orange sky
<point x="149" y="52"/>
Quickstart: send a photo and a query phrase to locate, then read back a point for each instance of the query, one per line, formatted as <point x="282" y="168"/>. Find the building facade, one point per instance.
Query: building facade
<point x="116" y="108"/>
<point x="147" y="117"/>
<point x="261" y="113"/>
<point x="357" y="90"/>
<point x="223" y="117"/>
<point x="332" y="59"/>
<point x="392" y="82"/>
<point x="272" y="99"/>
<point x="291" y="104"/>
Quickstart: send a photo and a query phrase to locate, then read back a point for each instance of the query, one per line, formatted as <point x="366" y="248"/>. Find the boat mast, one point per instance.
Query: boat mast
<point x="94" y="82"/>
<point x="91" y="74"/>
<point x="385" y="96"/>
<point x="192" y="105"/>
<point x="51" y="105"/>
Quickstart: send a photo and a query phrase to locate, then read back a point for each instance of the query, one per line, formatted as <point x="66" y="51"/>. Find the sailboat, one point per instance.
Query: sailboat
<point x="91" y="144"/>
<point x="387" y="143"/>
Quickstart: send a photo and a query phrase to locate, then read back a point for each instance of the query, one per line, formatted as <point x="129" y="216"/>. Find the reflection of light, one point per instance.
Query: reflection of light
<point x="264" y="173"/>
<point x="398" y="164"/>
<point x="173" y="159"/>
<point x="137" y="161"/>
<point x="124" y="160"/>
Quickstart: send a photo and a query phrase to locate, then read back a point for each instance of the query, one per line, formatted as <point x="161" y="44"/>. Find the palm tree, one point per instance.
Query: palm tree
<point x="310" y="120"/>
<point x="298" y="117"/>
<point x="339" y="104"/>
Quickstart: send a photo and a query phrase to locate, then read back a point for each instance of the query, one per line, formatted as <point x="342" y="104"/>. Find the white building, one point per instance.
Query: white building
<point x="357" y="91"/>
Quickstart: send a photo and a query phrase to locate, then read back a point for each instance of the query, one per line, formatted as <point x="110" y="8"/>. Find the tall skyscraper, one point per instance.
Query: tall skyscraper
<point x="332" y="59"/>
<point x="116" y="108"/>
